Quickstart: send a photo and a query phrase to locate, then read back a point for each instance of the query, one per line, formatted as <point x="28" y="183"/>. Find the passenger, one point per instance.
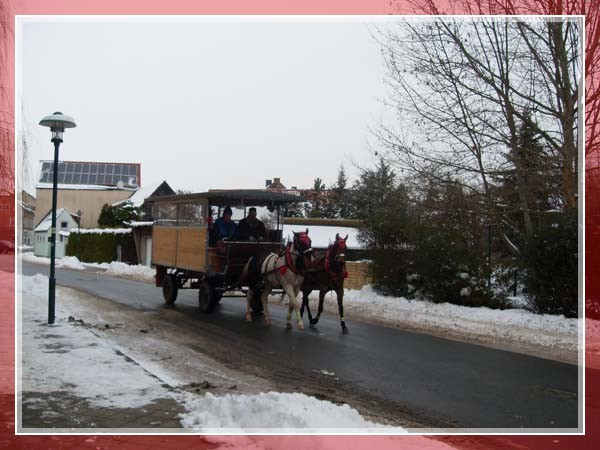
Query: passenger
<point x="251" y="229"/>
<point x="226" y="228"/>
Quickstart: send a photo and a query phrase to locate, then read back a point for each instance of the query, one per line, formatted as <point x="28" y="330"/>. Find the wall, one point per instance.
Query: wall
<point x="358" y="275"/>
<point x="41" y="247"/>
<point x="90" y="202"/>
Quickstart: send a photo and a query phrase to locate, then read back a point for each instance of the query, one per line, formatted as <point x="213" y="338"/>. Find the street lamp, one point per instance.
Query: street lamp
<point x="57" y="123"/>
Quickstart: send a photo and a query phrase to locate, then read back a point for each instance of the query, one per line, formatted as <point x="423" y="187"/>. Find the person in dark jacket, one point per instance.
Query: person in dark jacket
<point x="251" y="228"/>
<point x="225" y="227"/>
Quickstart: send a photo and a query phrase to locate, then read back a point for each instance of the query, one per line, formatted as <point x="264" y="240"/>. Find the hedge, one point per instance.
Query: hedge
<point x="102" y="247"/>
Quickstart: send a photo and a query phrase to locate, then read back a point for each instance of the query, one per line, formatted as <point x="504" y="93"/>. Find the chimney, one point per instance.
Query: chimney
<point x="277" y="180"/>
<point x="268" y="183"/>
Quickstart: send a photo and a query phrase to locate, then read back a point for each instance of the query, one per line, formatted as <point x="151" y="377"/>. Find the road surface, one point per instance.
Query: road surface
<point x="394" y="374"/>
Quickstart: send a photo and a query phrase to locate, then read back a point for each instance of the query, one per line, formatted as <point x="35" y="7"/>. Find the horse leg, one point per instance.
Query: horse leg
<point x="299" y="322"/>
<point x="340" y="302"/>
<point x="249" y="296"/>
<point x="293" y="306"/>
<point x="322" y="293"/>
<point x="264" y="298"/>
<point x="305" y="303"/>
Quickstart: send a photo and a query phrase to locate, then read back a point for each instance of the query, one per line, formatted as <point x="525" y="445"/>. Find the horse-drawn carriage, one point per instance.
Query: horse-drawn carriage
<point x="186" y="254"/>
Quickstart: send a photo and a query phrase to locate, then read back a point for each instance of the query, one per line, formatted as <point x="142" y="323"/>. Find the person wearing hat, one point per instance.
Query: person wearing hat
<point x="226" y="228"/>
<point x="250" y="228"/>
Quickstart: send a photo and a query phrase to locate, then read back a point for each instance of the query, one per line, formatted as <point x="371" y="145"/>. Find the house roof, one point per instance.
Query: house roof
<point x="89" y="175"/>
<point x="46" y="222"/>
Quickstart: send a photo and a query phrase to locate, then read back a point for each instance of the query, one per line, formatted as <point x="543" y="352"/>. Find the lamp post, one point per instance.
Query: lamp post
<point x="79" y="213"/>
<point x="57" y="123"/>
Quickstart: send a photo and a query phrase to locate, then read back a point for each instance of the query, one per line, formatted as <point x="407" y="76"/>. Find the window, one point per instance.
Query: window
<point x="62" y="238"/>
<point x="190" y="214"/>
<point x="165" y="213"/>
<point x="63" y="224"/>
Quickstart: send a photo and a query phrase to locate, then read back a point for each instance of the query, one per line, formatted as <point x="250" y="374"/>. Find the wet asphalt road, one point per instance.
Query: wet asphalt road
<point x="455" y="384"/>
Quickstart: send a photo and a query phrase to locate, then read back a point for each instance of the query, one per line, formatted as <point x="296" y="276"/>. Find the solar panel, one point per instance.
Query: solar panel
<point x="95" y="173"/>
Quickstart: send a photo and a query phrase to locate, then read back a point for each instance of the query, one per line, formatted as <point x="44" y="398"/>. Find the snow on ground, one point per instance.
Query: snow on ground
<point x="284" y="411"/>
<point x="513" y="325"/>
<point x="69" y="357"/>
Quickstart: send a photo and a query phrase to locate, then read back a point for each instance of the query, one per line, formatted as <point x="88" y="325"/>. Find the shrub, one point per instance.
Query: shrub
<point x="102" y="247"/>
<point x="452" y="269"/>
<point x="550" y="266"/>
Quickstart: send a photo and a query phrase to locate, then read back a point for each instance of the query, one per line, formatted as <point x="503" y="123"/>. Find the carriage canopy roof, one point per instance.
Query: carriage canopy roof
<point x="235" y="197"/>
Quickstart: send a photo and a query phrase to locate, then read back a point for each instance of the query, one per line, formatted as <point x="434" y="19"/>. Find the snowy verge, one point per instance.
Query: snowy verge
<point x="509" y="326"/>
<point x="136" y="272"/>
<point x="67" y="357"/>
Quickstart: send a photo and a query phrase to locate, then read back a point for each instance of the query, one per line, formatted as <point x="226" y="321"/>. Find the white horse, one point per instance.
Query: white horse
<point x="285" y="270"/>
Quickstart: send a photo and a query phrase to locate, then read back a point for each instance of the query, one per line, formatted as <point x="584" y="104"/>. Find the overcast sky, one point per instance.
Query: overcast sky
<point x="205" y="104"/>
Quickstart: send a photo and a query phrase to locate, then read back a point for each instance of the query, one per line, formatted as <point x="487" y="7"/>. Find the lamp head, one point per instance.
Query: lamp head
<point x="57" y="123"/>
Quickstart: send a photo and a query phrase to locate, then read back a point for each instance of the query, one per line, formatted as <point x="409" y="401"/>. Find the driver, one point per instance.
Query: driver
<point x="250" y="228"/>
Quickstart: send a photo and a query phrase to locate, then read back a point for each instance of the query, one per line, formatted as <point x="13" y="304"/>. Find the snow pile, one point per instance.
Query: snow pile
<point x="71" y="357"/>
<point x="35" y="286"/>
<point x="282" y="411"/>
<point x="70" y="262"/>
<point x="139" y="272"/>
<point x="101" y="230"/>
<point x="136" y="272"/>
<point x="30" y="257"/>
<point x="515" y="325"/>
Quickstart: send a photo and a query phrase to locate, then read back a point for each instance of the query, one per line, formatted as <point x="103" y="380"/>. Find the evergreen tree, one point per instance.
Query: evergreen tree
<point x="341" y="196"/>
<point x="315" y="206"/>
<point x="118" y="216"/>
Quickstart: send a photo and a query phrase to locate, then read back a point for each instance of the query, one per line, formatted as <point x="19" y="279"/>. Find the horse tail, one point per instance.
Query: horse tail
<point x="244" y="274"/>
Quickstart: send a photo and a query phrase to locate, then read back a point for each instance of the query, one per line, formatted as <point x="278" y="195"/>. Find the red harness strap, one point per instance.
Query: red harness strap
<point x="289" y="263"/>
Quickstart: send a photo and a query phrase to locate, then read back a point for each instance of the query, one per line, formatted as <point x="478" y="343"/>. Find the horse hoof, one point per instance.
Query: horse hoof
<point x="314" y="321"/>
<point x="248" y="318"/>
<point x="267" y="322"/>
<point x="344" y="330"/>
<point x="288" y="326"/>
<point x="300" y="326"/>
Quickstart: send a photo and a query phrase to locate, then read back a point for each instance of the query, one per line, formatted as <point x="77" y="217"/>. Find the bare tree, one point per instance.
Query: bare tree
<point x="465" y="89"/>
<point x="589" y="8"/>
<point x="6" y="117"/>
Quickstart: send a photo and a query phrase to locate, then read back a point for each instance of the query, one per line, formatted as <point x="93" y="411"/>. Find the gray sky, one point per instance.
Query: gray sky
<point x="205" y="104"/>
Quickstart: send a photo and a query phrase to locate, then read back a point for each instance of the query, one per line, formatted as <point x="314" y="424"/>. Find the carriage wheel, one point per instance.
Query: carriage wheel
<point x="208" y="297"/>
<point x="170" y="288"/>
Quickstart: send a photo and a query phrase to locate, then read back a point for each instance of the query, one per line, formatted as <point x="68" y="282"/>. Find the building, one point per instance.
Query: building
<point x="86" y="187"/>
<point x="26" y="222"/>
<point x="276" y="185"/>
<point x="42" y="233"/>
<point x="142" y="231"/>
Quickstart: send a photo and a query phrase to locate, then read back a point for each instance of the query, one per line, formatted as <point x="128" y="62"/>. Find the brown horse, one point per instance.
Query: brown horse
<point x="285" y="270"/>
<point x="326" y="273"/>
